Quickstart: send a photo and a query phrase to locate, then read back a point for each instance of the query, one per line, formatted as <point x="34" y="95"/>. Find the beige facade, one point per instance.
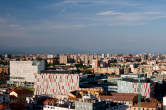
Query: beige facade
<point x="63" y="59"/>
<point x="108" y="70"/>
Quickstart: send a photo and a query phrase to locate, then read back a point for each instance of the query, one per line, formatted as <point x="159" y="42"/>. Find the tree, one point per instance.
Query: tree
<point x="113" y="73"/>
<point x="107" y="74"/>
<point x="87" y="72"/>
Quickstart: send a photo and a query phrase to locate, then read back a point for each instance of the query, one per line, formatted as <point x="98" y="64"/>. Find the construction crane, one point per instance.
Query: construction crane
<point x="139" y="91"/>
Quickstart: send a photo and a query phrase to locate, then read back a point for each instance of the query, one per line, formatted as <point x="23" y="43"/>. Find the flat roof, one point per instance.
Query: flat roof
<point x="135" y="80"/>
<point x="57" y="71"/>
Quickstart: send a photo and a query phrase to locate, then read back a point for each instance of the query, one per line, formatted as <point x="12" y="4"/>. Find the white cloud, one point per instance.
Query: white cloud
<point x="109" y="13"/>
<point x="127" y="24"/>
<point x="51" y="26"/>
<point x="68" y="26"/>
<point x="16" y="26"/>
<point x="64" y="4"/>
<point x="128" y="18"/>
<point x="152" y="13"/>
<point x="101" y="2"/>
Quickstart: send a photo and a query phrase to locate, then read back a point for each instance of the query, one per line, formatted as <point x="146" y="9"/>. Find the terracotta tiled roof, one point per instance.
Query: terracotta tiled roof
<point x="73" y="99"/>
<point x="147" y="105"/>
<point x="114" y="76"/>
<point x="154" y="101"/>
<point x="49" y="101"/>
<point x="3" y="107"/>
<point x="119" y="97"/>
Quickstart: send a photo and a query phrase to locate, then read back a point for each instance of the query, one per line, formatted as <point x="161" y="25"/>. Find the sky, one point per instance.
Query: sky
<point x="82" y="26"/>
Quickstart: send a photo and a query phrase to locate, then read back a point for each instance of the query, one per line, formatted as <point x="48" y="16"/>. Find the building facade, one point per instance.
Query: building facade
<point x="22" y="72"/>
<point x="52" y="107"/>
<point x="53" y="83"/>
<point x="126" y="86"/>
<point x="80" y="105"/>
<point x="125" y="100"/>
<point x="63" y="59"/>
<point x="164" y="103"/>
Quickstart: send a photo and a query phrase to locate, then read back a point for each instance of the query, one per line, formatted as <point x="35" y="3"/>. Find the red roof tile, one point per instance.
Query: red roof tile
<point x="3" y="106"/>
<point x="120" y="97"/>
<point x="147" y="105"/>
<point x="49" y="101"/>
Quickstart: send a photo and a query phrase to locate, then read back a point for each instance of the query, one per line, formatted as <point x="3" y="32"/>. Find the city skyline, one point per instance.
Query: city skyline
<point x="66" y="26"/>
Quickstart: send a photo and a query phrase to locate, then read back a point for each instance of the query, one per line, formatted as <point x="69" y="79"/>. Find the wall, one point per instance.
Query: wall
<point x="56" y="84"/>
<point x="131" y="87"/>
<point x="23" y="71"/>
<point x="48" y="107"/>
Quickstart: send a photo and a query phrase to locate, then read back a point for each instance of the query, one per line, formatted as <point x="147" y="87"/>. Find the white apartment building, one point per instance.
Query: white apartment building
<point x="22" y="72"/>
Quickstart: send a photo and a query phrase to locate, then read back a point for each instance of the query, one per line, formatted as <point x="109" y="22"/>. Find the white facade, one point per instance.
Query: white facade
<point x="23" y="71"/>
<point x="50" y="56"/>
<point x="164" y="103"/>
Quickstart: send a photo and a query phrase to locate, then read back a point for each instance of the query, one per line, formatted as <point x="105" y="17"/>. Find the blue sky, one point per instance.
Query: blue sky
<point x="118" y="25"/>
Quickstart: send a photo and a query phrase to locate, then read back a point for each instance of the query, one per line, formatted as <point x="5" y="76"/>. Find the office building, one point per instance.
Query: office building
<point x="56" y="83"/>
<point x="22" y="72"/>
<point x="131" y="86"/>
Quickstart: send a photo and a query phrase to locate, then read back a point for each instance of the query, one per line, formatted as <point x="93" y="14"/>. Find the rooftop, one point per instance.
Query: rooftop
<point x="114" y="76"/>
<point x="89" y="101"/>
<point x="50" y="101"/>
<point x="56" y="103"/>
<point x="147" y="105"/>
<point x="21" y="91"/>
<point x="119" y="97"/>
<point x="136" y="80"/>
<point x="55" y="72"/>
<point x="3" y="107"/>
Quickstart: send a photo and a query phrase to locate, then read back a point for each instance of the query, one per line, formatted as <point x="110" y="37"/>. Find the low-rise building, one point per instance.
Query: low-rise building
<point x="53" y="104"/>
<point x="145" y="106"/>
<point x="126" y="100"/>
<point x="20" y="94"/>
<point x="89" y="105"/>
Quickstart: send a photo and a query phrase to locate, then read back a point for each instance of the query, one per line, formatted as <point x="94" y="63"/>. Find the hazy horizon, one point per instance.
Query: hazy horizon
<point x="72" y="51"/>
